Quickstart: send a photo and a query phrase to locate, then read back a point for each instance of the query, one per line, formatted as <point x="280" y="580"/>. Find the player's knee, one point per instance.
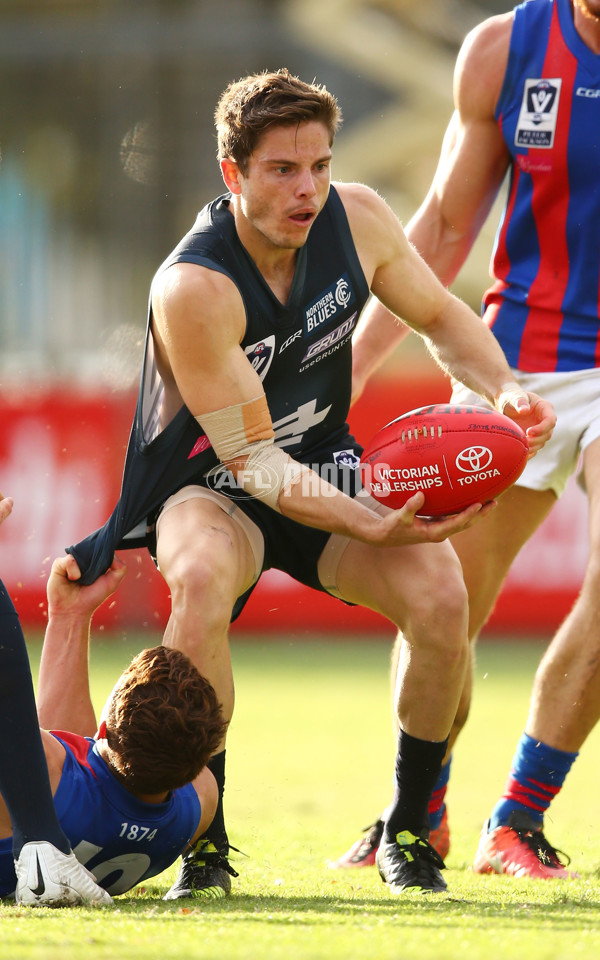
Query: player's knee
<point x="439" y="621"/>
<point x="200" y="583"/>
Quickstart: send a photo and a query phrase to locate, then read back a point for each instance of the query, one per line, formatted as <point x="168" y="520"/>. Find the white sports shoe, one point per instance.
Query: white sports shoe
<point x="46" y="877"/>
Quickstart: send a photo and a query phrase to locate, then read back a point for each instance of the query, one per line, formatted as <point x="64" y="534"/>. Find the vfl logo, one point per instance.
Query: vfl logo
<point x="261" y="354"/>
<point x="346" y="458"/>
<point x="540" y="99"/>
<point x="536" y="125"/>
<point x="473" y="459"/>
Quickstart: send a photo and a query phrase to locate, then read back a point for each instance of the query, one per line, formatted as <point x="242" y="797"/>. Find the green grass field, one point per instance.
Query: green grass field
<point x="309" y="763"/>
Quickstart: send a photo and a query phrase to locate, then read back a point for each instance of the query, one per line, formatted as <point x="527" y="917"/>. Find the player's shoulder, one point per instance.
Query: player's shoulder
<point x="181" y="287"/>
<point x="354" y="192"/>
<point x="182" y="279"/>
<point x="376" y="231"/>
<point x="361" y="202"/>
<point x="481" y="66"/>
<point x="485" y="47"/>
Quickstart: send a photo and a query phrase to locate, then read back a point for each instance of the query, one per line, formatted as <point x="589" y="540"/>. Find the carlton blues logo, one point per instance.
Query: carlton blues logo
<point x="536" y="125"/>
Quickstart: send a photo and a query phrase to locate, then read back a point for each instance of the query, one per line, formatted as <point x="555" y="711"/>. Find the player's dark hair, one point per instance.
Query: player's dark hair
<point x="163" y="722"/>
<point x="248" y="107"/>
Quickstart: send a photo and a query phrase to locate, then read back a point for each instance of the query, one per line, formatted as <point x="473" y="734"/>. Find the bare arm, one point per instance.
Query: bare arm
<point x="64" y="701"/>
<point x="462" y="345"/>
<point x="474" y="158"/>
<point x="376" y="337"/>
<point x="470" y="171"/>
<point x="199" y="322"/>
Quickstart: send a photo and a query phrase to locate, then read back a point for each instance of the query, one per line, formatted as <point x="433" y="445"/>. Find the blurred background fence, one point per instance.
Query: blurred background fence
<point x="108" y="152"/>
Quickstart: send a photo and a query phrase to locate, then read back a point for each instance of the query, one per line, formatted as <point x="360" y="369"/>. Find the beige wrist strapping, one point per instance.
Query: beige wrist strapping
<point x="512" y="393"/>
<point x="243" y="434"/>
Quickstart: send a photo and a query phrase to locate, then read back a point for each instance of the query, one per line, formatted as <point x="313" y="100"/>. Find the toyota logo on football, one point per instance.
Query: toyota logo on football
<point x="473" y="459"/>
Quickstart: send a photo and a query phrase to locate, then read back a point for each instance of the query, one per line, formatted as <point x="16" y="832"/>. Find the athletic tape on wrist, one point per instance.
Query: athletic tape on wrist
<point x="244" y="432"/>
<point x="511" y="393"/>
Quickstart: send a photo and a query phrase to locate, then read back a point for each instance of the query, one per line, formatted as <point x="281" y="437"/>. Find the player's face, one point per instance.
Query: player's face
<point x="286" y="183"/>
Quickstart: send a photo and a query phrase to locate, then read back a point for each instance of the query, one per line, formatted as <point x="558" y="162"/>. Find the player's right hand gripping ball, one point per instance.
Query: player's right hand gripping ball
<point x="456" y="454"/>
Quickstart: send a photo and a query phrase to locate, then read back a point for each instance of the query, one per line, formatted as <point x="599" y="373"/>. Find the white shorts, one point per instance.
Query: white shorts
<point x="576" y="399"/>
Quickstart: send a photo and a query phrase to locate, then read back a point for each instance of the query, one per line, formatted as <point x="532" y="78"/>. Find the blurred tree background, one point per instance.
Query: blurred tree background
<point x="108" y="149"/>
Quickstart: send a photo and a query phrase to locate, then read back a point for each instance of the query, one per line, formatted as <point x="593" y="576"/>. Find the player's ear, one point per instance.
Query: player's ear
<point x="231" y="175"/>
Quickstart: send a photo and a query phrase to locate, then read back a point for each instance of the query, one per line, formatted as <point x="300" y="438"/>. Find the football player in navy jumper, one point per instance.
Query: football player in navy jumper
<point x="248" y="367"/>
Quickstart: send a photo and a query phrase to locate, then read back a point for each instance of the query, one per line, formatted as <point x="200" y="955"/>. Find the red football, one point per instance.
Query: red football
<point x="456" y="454"/>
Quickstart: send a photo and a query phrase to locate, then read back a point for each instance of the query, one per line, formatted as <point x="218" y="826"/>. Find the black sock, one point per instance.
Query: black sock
<point x="418" y="764"/>
<point x="217" y="830"/>
<point x="24" y="781"/>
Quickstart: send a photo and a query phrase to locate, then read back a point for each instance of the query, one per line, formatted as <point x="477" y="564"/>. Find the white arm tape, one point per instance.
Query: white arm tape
<point x="512" y="393"/>
<point x="244" y="432"/>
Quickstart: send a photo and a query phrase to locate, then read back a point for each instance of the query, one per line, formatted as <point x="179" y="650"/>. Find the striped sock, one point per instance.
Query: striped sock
<point x="437" y="804"/>
<point x="537" y="775"/>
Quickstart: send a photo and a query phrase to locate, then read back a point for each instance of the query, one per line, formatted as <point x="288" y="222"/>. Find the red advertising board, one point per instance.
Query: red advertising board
<point x="61" y="458"/>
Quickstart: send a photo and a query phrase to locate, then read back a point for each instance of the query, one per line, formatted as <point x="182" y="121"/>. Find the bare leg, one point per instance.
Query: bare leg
<point x="207" y="562"/>
<point x="565" y="704"/>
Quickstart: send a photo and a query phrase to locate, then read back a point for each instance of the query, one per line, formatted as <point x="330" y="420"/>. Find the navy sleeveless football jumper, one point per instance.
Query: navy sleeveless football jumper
<point x="302" y="353"/>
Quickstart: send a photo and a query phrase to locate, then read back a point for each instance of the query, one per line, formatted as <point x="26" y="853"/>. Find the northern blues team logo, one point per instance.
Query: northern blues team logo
<point x="328" y="305"/>
<point x="261" y="354"/>
<point x="536" y="125"/>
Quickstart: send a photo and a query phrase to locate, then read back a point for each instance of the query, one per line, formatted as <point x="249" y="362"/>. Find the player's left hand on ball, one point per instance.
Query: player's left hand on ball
<point x="533" y="414"/>
<point x="67" y="596"/>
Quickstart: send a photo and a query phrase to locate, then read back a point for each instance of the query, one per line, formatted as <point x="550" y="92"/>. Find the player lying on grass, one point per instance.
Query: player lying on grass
<point x="39" y="845"/>
<point x="132" y="797"/>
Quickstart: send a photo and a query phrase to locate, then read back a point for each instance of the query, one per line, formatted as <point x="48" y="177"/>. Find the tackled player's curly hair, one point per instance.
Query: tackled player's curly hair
<point x="163" y="722"/>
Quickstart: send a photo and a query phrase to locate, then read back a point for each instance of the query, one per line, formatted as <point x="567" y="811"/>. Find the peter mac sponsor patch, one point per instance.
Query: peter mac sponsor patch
<point x="539" y="112"/>
<point x="328" y="305"/>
